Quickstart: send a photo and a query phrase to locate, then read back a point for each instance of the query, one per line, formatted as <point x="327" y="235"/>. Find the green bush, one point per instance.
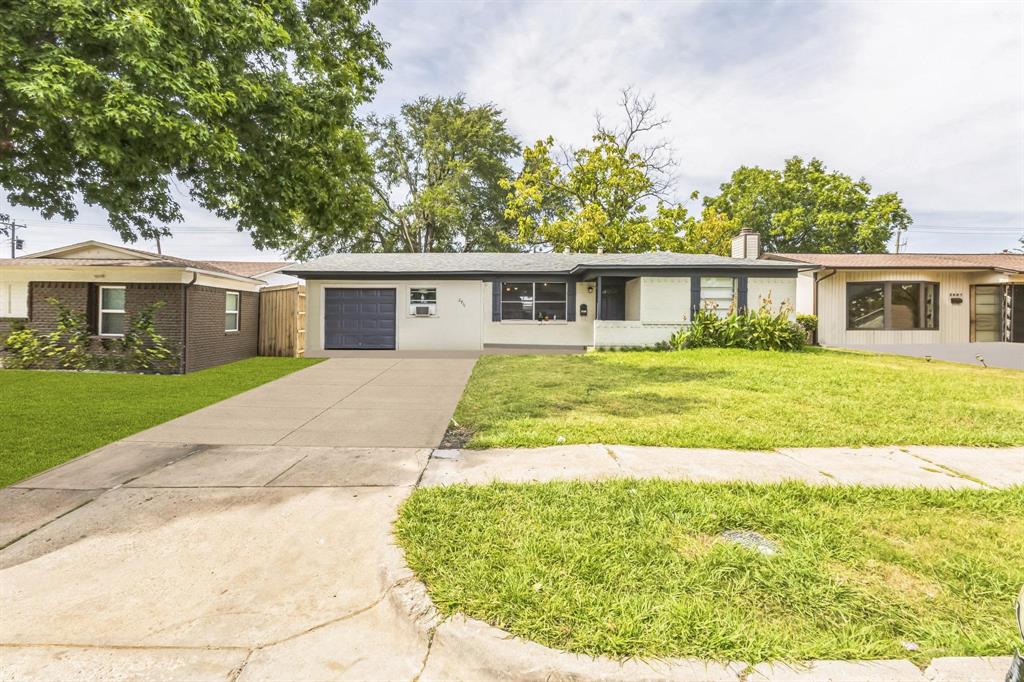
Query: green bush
<point x="23" y="348"/>
<point x="809" y="323"/>
<point x="754" y="330"/>
<point x="72" y="346"/>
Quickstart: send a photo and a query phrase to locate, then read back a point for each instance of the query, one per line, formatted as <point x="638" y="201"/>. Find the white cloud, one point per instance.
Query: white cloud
<point x="926" y="99"/>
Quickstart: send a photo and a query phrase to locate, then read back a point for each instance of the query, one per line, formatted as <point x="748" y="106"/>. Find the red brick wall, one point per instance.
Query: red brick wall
<point x="207" y="344"/>
<point x="75" y="295"/>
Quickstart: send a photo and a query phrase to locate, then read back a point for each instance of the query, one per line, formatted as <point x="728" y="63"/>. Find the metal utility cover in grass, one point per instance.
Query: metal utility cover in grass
<point x="751" y="540"/>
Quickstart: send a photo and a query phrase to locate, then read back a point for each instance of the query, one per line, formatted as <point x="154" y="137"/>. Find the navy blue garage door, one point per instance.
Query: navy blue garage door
<point x="359" y="319"/>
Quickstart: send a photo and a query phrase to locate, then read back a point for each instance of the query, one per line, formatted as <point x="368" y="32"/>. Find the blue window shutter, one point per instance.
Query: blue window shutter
<point x="741" y="294"/>
<point x="570" y="301"/>
<point x="496" y="300"/>
<point x="694" y="295"/>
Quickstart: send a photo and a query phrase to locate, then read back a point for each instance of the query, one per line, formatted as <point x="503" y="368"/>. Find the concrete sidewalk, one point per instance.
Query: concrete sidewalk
<point x="271" y="562"/>
<point x="930" y="467"/>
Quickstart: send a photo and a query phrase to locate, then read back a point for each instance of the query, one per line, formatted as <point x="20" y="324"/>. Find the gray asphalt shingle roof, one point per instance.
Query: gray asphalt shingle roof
<point x="439" y="263"/>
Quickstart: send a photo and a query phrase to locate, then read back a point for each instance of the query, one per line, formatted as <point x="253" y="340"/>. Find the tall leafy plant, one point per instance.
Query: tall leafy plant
<point x="69" y="343"/>
<point x="761" y="329"/>
<point x="143" y="348"/>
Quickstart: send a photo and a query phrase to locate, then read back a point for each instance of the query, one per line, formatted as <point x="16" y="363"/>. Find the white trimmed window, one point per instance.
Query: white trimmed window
<point x="718" y="294"/>
<point x="423" y="301"/>
<point x="112" y="313"/>
<point x="231" y="311"/>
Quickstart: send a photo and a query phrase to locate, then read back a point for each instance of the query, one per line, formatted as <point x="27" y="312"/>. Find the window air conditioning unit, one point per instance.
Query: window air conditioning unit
<point x="422" y="310"/>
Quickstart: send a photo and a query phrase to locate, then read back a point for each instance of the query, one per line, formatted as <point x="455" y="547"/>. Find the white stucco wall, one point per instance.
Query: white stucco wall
<point x="781" y="291"/>
<point x="805" y="293"/>
<point x="633" y="301"/>
<point x="13" y="299"/>
<point x="457" y="326"/>
<point x="665" y="300"/>
<point x="631" y="333"/>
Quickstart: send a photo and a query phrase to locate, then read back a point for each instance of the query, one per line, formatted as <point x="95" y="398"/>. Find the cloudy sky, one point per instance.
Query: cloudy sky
<point x="926" y="99"/>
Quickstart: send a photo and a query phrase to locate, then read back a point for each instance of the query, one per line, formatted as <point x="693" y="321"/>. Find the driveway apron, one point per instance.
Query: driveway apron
<point x="246" y="540"/>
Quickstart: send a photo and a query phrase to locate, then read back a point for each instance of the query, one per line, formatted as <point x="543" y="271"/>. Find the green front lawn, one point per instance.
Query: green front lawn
<point x="739" y="399"/>
<point x="639" y="568"/>
<point x="50" y="417"/>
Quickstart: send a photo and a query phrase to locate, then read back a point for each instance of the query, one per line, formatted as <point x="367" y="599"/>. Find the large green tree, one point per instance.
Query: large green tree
<point x="806" y="208"/>
<point x="614" y="195"/>
<point x="247" y="106"/>
<point x="437" y="186"/>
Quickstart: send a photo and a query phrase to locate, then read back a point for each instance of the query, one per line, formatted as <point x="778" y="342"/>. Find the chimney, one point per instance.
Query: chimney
<point x="747" y="244"/>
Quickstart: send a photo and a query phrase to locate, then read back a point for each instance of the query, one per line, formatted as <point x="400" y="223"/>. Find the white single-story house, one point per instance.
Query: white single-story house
<point x="474" y="301"/>
<point x="911" y="298"/>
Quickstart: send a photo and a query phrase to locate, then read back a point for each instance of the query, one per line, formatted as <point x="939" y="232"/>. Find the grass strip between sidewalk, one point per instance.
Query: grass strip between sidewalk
<point x="632" y="568"/>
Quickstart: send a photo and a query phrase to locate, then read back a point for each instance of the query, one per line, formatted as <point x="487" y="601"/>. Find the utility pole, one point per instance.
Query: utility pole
<point x="158" y="245"/>
<point x="10" y="228"/>
<point x="899" y="240"/>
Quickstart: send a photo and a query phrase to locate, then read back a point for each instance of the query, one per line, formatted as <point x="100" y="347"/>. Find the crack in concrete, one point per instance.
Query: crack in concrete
<point x="236" y="673"/>
<point x="59" y="516"/>
<point x="615" y="457"/>
<point x="426" y="656"/>
<point x="950" y="471"/>
<point x="419" y="479"/>
<point x="119" y="647"/>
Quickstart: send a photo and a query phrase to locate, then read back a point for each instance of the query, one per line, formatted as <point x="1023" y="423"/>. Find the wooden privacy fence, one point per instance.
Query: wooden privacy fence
<point x="283" y="320"/>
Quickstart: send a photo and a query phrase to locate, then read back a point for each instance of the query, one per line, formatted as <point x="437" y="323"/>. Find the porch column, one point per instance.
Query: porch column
<point x="597" y="300"/>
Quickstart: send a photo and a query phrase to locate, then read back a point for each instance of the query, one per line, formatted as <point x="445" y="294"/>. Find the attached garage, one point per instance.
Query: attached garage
<point x="362" y="319"/>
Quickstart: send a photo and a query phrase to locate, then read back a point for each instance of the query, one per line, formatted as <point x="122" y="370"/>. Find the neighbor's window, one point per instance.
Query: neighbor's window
<point x="423" y="301"/>
<point x="231" y="311"/>
<point x="718" y="294"/>
<point x="112" y="312"/>
<point x="892" y="305"/>
<point x="539" y="301"/>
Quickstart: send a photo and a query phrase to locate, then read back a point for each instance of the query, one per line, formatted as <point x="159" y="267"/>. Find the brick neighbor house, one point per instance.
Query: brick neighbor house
<point x="210" y="313"/>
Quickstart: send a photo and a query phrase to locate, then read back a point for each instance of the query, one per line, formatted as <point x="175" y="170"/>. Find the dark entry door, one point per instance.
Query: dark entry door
<point x="613" y="298"/>
<point x="359" y="319"/>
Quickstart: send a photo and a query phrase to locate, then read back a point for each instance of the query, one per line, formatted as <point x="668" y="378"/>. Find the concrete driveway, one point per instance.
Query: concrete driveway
<point x="237" y="535"/>
<point x="368" y="401"/>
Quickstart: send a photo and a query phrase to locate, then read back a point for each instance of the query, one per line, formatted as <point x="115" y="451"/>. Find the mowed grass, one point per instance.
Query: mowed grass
<point x="50" y="417"/>
<point x="739" y="399"/>
<point x="637" y="568"/>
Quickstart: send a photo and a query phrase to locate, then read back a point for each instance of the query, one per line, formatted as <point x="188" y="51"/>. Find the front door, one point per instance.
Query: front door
<point x="613" y="299"/>
<point x="988" y="312"/>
